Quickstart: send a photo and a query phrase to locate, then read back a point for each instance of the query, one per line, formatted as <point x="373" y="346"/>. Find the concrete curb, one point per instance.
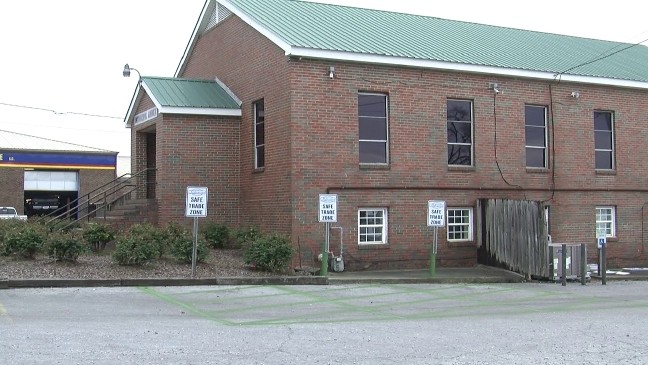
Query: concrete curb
<point x="73" y="283"/>
<point x="487" y="280"/>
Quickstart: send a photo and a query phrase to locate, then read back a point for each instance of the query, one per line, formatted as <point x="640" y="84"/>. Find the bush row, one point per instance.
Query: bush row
<point x="143" y="243"/>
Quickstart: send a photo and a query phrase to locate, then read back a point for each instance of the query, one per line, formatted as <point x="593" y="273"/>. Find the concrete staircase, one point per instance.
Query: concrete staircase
<point x="134" y="211"/>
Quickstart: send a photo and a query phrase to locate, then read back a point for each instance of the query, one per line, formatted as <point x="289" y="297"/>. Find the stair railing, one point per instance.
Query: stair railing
<point x="103" y="198"/>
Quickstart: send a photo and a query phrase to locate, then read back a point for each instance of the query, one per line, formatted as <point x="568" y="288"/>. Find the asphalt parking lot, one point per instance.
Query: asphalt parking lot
<point x="526" y="323"/>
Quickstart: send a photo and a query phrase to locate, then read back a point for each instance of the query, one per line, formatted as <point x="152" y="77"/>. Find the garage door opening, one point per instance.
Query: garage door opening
<point x="47" y="192"/>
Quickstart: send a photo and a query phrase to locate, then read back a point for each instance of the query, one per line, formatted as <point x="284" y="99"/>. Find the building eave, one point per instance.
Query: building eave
<point x="200" y="111"/>
<point x="453" y="66"/>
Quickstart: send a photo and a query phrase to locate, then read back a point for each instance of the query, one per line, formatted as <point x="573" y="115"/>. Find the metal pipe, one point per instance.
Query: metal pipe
<point x="583" y="262"/>
<point x="564" y="264"/>
<point x="481" y="188"/>
<point x="341" y="238"/>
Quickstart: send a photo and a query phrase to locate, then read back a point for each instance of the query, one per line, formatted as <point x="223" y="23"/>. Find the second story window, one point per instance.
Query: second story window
<point x="460" y="132"/>
<point x="259" y="134"/>
<point x="604" y="140"/>
<point x="535" y="128"/>
<point x="372" y="126"/>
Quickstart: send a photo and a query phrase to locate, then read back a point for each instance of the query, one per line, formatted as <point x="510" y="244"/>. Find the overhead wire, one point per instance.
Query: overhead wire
<point x="57" y="112"/>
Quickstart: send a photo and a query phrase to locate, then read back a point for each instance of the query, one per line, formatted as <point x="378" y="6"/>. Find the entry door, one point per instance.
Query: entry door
<point x="150" y="165"/>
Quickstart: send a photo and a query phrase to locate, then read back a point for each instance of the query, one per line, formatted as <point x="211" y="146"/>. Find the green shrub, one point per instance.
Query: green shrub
<point x="7" y="225"/>
<point x="181" y="244"/>
<point x="25" y="240"/>
<point x="137" y="246"/>
<point x="216" y="234"/>
<point x="269" y="252"/>
<point x="97" y="235"/>
<point x="245" y="236"/>
<point x="64" y="246"/>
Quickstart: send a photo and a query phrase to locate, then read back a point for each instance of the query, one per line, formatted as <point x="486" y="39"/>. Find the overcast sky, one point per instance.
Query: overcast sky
<point x="67" y="55"/>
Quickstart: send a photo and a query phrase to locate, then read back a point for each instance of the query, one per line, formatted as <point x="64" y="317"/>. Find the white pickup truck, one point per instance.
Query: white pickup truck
<point x="11" y="213"/>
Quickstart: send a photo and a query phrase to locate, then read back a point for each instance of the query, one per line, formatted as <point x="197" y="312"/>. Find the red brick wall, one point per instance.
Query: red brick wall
<point x="90" y="180"/>
<point x="324" y="115"/>
<point x="312" y="147"/>
<point x="138" y="144"/>
<point x="12" y="181"/>
<point x="198" y="151"/>
<point x="254" y="68"/>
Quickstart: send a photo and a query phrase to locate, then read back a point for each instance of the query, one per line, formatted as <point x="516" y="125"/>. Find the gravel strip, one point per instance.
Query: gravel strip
<point x="219" y="263"/>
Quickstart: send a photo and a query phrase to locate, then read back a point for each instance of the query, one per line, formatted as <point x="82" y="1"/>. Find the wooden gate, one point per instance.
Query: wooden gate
<point x="513" y="235"/>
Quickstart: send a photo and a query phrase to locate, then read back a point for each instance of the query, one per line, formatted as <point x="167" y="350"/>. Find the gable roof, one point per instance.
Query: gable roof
<point x="354" y="34"/>
<point x="18" y="141"/>
<point x="186" y="96"/>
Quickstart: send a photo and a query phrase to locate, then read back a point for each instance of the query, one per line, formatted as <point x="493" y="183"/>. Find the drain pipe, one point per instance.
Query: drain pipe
<point x="338" y="262"/>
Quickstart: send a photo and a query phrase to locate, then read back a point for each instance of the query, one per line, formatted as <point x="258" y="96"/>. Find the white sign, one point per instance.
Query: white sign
<point x="436" y="213"/>
<point x="602" y="240"/>
<point x="196" y="202"/>
<point x="328" y="208"/>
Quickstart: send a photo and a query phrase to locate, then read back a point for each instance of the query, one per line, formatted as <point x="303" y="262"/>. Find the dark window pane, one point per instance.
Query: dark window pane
<point x="603" y="160"/>
<point x="603" y="121"/>
<point x="535" y="157"/>
<point x="459" y="132"/>
<point x="603" y="140"/>
<point x="534" y="115"/>
<point x="373" y="152"/>
<point x="260" y="134"/>
<point x="459" y="155"/>
<point x="373" y="128"/>
<point x="260" y="156"/>
<point x="372" y="105"/>
<point x="459" y="110"/>
<point x="535" y="136"/>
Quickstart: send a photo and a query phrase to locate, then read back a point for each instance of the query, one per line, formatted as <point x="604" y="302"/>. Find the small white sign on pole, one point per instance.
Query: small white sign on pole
<point x="328" y="208"/>
<point x="436" y="213"/>
<point x="196" y="202"/>
<point x="601" y="241"/>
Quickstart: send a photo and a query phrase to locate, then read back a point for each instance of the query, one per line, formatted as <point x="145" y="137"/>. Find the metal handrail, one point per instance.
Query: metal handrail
<point x="84" y="202"/>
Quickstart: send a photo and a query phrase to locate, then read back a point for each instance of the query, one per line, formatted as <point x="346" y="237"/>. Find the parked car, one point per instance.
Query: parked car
<point x="11" y="213"/>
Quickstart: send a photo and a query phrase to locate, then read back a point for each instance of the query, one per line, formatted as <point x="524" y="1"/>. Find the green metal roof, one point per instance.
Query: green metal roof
<point x="185" y="93"/>
<point x="326" y="27"/>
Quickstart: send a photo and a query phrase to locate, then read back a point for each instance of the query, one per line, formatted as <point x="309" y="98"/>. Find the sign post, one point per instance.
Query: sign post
<point x="328" y="215"/>
<point x="436" y="219"/>
<point x="602" y="267"/>
<point x="196" y="206"/>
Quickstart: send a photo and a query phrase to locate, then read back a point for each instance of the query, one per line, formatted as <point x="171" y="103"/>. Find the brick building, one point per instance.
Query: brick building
<point x="40" y="175"/>
<point x="276" y="101"/>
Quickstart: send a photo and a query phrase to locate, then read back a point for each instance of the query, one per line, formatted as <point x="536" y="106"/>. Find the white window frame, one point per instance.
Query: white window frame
<point x="472" y="131"/>
<point x="546" y="136"/>
<point x="613" y="146"/>
<point x="383" y="226"/>
<point x="257" y="146"/>
<point x="611" y="232"/>
<point x="469" y="224"/>
<point x="385" y="141"/>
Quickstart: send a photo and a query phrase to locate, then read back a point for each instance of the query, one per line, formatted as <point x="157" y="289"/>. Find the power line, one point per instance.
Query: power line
<point x="59" y="113"/>
<point x="596" y="59"/>
<point x="66" y="128"/>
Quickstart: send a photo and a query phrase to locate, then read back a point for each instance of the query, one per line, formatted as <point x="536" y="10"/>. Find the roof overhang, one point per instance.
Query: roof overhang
<point x="389" y="60"/>
<point x="143" y="89"/>
<point x="462" y="67"/>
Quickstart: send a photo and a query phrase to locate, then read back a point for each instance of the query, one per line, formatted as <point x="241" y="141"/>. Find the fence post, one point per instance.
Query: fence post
<point x="564" y="264"/>
<point x="583" y="262"/>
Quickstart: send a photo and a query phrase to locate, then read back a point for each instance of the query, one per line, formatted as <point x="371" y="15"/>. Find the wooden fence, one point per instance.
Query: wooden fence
<point x="514" y="233"/>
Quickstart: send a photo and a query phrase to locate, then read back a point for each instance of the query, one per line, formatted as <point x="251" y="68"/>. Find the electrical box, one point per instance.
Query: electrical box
<point x="337" y="264"/>
<point x="573" y="253"/>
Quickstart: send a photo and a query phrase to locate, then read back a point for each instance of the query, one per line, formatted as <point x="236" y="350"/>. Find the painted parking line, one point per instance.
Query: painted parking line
<point x="281" y="305"/>
<point x="4" y="315"/>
